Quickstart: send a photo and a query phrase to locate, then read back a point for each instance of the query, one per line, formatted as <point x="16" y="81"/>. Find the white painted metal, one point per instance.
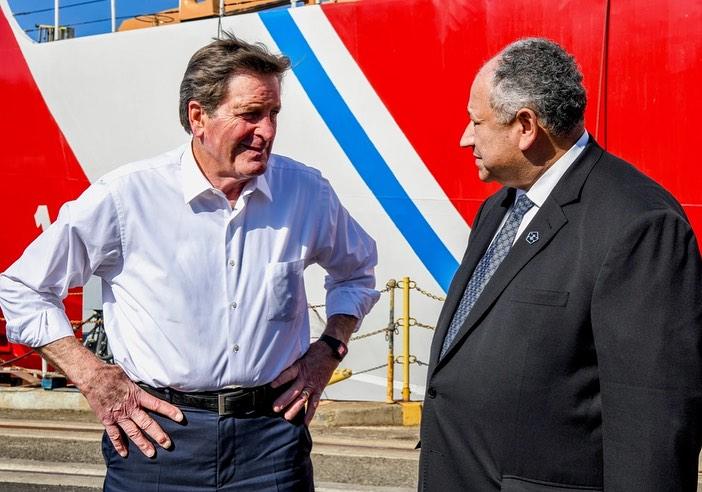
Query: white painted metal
<point x="387" y="136"/>
<point x="113" y="15"/>
<point x="56" y="20"/>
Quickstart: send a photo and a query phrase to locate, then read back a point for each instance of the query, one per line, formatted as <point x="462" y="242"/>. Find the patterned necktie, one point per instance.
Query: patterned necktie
<point x="486" y="267"/>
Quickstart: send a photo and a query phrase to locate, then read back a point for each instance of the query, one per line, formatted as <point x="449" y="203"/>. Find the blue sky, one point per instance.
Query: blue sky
<point x="87" y="16"/>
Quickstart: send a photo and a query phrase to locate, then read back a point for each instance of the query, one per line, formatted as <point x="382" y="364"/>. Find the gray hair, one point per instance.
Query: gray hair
<point x="538" y="74"/>
<point x="209" y="70"/>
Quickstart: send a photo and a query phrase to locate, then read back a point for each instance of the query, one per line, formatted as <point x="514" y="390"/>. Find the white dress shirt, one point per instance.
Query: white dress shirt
<point x="542" y="188"/>
<point x="197" y="294"/>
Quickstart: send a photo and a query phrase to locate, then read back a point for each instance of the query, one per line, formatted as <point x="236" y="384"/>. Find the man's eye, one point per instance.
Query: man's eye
<point x="251" y="115"/>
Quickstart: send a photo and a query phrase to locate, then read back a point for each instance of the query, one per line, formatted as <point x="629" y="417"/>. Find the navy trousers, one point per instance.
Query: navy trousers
<point x="213" y="453"/>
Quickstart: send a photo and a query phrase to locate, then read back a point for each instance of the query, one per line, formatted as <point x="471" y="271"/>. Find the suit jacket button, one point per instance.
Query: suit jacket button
<point x="431" y="392"/>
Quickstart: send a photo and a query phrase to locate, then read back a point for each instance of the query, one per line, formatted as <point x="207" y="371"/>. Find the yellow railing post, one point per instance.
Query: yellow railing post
<point x="389" y="398"/>
<point x="340" y="374"/>
<point x="406" y="338"/>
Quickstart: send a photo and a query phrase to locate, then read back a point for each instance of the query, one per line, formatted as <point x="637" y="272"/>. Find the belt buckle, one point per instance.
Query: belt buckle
<point x="221" y="407"/>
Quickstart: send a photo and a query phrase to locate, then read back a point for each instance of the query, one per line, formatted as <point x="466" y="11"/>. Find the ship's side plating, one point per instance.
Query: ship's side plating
<point x="376" y="100"/>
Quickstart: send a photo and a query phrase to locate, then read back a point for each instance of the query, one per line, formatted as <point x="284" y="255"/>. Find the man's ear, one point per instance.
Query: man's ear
<point x="197" y="118"/>
<point x="528" y="127"/>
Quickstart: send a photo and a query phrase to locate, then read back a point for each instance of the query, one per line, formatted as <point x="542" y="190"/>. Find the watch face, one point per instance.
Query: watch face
<point x="343" y="350"/>
<point x="338" y="347"/>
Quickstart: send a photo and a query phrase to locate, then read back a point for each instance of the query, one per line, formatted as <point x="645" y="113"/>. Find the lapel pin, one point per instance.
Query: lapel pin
<point x="532" y="237"/>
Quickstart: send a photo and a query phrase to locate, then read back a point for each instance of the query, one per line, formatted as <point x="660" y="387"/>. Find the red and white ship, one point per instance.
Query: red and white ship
<point x="376" y="100"/>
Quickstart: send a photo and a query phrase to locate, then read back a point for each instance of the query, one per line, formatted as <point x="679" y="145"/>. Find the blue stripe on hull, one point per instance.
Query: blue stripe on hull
<point x="355" y="143"/>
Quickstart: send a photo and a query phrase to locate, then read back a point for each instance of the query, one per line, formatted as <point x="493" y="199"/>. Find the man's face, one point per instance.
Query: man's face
<point x="495" y="145"/>
<point x="238" y="137"/>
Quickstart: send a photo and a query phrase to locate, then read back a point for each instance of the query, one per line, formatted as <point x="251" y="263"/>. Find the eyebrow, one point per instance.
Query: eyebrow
<point x="256" y="105"/>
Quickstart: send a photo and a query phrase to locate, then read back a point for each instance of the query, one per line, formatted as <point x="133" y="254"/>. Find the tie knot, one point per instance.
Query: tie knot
<point x="522" y="206"/>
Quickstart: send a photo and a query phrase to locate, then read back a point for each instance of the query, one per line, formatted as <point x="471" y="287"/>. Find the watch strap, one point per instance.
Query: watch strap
<point x="339" y="348"/>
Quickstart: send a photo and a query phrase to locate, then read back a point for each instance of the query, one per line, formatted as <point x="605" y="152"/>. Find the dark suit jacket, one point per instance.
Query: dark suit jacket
<point x="580" y="365"/>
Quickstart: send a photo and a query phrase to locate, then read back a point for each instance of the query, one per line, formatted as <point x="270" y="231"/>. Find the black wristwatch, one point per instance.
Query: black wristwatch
<point x="339" y="348"/>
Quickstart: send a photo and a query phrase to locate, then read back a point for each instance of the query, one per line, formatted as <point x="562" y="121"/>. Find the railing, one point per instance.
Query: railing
<point x="406" y="322"/>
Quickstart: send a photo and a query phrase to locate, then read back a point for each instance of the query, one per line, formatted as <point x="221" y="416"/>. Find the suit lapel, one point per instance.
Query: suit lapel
<point x="547" y="222"/>
<point x="480" y="239"/>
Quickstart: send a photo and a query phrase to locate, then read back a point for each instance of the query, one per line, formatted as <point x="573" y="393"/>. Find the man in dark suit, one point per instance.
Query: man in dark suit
<point x="568" y="352"/>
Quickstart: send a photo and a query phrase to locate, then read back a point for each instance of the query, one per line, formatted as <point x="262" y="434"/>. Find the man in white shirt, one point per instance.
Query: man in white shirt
<point x="567" y="355"/>
<point x="202" y="251"/>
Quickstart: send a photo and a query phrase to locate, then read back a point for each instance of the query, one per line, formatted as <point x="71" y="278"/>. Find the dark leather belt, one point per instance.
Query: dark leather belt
<point x="236" y="402"/>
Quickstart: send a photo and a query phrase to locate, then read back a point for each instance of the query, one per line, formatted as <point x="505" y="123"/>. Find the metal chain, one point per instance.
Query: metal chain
<point x="401" y="284"/>
<point x="75" y="323"/>
<point x="400" y="359"/>
<point x="426" y="293"/>
<point x="401" y="321"/>
<point x="414" y="322"/>
<point x="95" y="319"/>
<point x="355" y="373"/>
<point x="422" y="325"/>
<point x="412" y="360"/>
<point x="366" y="335"/>
<point x="4" y="363"/>
<point x="316" y="313"/>
<point x="395" y="330"/>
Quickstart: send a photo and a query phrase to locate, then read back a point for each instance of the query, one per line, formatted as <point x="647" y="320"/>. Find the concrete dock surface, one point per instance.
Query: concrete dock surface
<point x="50" y="441"/>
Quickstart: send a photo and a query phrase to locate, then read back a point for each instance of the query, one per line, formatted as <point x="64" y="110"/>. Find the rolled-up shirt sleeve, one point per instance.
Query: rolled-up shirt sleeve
<point x="349" y="256"/>
<point x="84" y="239"/>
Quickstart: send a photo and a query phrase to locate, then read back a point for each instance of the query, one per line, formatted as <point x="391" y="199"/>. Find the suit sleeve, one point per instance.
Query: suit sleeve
<point x="647" y="325"/>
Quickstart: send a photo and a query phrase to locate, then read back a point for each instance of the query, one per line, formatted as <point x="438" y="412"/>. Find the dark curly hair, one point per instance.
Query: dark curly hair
<point x="537" y="73"/>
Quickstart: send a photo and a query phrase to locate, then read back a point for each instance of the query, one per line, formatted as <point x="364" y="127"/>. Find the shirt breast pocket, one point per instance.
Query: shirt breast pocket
<point x="286" y="290"/>
<point x="540" y="297"/>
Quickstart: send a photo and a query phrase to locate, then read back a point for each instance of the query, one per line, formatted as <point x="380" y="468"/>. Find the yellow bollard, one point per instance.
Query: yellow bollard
<point x="339" y="375"/>
<point x="389" y="397"/>
<point x="406" y="338"/>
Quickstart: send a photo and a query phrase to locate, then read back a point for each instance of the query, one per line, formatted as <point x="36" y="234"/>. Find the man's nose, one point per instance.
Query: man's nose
<point x="266" y="128"/>
<point x="468" y="137"/>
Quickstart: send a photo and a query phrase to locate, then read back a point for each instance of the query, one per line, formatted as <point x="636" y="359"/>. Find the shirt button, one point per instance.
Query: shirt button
<point x="233" y="305"/>
<point x="232" y="263"/>
<point x="431" y="392"/>
<point x="235" y="348"/>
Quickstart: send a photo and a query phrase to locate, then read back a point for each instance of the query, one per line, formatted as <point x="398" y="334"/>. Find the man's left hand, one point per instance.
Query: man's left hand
<point x="311" y="373"/>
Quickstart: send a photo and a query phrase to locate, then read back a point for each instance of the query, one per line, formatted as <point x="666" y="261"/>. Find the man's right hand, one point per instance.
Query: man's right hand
<point x="120" y="404"/>
<point x="116" y="400"/>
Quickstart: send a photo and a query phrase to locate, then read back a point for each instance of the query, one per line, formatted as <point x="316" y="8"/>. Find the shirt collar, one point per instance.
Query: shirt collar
<point x="539" y="191"/>
<point x="194" y="182"/>
<point x="261" y="182"/>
